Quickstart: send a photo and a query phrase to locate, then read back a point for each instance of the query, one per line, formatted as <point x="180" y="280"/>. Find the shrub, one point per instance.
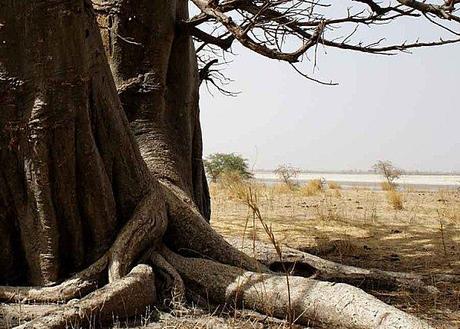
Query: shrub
<point x="218" y="163"/>
<point x="287" y="174"/>
<point x="388" y="171"/>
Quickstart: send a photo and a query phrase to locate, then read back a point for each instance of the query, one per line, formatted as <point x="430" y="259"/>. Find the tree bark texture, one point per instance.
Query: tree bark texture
<point x="155" y="69"/>
<point x="71" y="174"/>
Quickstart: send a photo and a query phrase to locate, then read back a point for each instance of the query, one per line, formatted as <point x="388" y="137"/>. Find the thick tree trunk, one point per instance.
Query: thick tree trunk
<point x="71" y="173"/>
<point x="155" y="69"/>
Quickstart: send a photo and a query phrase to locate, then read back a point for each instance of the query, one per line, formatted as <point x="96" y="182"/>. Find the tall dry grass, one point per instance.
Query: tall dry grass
<point x="313" y="187"/>
<point x="233" y="185"/>
<point x="395" y="199"/>
<point x="385" y="186"/>
<point x="249" y="193"/>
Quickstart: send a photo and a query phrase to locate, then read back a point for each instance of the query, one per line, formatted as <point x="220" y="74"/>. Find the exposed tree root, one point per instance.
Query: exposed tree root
<point x="144" y="230"/>
<point x="335" y="305"/>
<point x="125" y="297"/>
<point x="189" y="231"/>
<point x="173" y="285"/>
<point x="77" y="286"/>
<point x="328" y="270"/>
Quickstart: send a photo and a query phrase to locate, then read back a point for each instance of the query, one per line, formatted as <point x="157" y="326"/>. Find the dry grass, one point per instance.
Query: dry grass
<point x="233" y="185"/>
<point x="313" y="187"/>
<point x="395" y="199"/>
<point x="385" y="186"/>
<point x="248" y="194"/>
<point x="281" y="188"/>
<point x="334" y="186"/>
<point x="327" y="210"/>
<point x="453" y="213"/>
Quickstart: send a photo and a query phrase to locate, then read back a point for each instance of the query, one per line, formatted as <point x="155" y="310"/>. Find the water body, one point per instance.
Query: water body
<point x="419" y="182"/>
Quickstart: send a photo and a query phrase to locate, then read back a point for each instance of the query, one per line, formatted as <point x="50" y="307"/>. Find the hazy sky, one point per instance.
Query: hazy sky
<point x="402" y="108"/>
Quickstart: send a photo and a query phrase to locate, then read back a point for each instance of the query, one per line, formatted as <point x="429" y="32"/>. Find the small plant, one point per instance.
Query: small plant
<point x="250" y="197"/>
<point x="395" y="199"/>
<point x="327" y="210"/>
<point x="334" y="186"/>
<point x="388" y="171"/>
<point x="218" y="163"/>
<point x="443" y="239"/>
<point x="287" y="174"/>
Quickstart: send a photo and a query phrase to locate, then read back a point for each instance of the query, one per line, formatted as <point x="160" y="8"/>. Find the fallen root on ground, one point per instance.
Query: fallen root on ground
<point x="129" y="295"/>
<point x="311" y="301"/>
<point x="329" y="270"/>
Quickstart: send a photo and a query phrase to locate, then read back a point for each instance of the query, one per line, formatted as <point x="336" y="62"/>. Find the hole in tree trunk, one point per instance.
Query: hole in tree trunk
<point x="297" y="269"/>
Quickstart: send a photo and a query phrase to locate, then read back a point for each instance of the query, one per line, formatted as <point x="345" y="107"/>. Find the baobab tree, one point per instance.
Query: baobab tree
<point x="104" y="205"/>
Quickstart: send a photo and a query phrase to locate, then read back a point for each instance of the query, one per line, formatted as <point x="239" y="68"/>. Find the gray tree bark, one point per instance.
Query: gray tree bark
<point x="71" y="173"/>
<point x="155" y="69"/>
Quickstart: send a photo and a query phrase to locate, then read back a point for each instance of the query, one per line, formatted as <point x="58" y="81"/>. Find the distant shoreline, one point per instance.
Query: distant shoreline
<point x="372" y="180"/>
<point x="366" y="172"/>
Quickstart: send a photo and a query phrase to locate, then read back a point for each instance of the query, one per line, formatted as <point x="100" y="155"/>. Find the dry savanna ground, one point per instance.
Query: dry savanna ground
<point x="404" y="230"/>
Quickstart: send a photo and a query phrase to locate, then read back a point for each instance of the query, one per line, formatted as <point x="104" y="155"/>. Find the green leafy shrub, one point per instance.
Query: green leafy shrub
<point x="217" y="164"/>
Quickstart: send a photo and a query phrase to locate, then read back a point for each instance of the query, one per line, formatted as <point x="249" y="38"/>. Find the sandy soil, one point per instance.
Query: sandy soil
<point x="360" y="227"/>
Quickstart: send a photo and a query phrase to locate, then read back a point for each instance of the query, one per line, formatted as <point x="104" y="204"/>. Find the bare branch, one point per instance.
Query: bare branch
<point x="225" y="44"/>
<point x="272" y="28"/>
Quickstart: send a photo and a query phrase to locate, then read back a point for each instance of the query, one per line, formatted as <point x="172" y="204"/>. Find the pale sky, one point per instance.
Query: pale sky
<point x="401" y="108"/>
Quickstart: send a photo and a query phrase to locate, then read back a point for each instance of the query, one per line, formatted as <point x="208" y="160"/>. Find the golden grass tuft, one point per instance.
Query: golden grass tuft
<point x="313" y="187"/>
<point x="334" y="186"/>
<point x="340" y="247"/>
<point x="281" y="188"/>
<point x="233" y="185"/>
<point x="395" y="199"/>
<point x="386" y="186"/>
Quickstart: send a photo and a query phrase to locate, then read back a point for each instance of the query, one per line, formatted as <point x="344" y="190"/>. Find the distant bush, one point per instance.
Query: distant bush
<point x="388" y="171"/>
<point x="218" y="163"/>
<point x="287" y="174"/>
